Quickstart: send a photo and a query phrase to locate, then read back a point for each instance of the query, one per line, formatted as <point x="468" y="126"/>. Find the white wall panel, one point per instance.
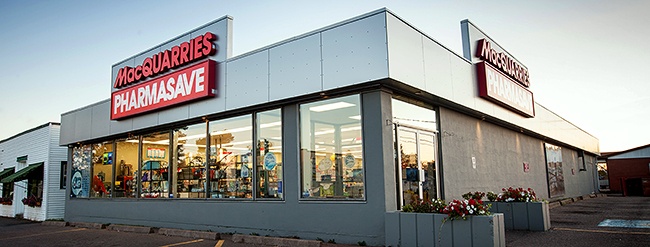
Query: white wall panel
<point x="465" y="88"/>
<point x="248" y="80"/>
<point x="54" y="202"/>
<point x="295" y="68"/>
<point x="355" y="52"/>
<point x="405" y="52"/>
<point x="437" y="69"/>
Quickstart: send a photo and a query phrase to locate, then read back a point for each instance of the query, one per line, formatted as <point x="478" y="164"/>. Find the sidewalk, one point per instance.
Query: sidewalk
<point x="572" y="224"/>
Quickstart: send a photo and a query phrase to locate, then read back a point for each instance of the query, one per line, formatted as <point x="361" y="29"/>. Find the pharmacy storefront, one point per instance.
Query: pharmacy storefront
<point x="317" y="136"/>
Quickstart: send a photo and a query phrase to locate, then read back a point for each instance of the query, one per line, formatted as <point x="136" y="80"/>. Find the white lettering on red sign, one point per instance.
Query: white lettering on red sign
<point x="189" y="84"/>
<point x="499" y="88"/>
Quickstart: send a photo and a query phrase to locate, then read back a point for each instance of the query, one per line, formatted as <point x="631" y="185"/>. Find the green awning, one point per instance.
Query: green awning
<point x="25" y="173"/>
<point x="6" y="172"/>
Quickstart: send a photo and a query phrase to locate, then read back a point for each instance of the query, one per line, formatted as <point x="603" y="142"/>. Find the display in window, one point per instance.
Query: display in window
<point x="188" y="162"/>
<point x="269" y="154"/>
<point x="331" y="149"/>
<point x="126" y="167"/>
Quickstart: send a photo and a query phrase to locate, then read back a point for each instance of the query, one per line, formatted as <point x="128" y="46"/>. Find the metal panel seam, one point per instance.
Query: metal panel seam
<point x="386" y="44"/>
<point x="320" y="40"/>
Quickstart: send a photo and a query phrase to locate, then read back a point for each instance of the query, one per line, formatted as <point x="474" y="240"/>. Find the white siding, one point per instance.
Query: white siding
<point x="40" y="145"/>
<point x="54" y="202"/>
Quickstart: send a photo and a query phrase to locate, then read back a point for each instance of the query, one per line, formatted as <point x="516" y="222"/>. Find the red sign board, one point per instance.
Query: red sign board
<point x="503" y="62"/>
<point x="191" y="83"/>
<point x="497" y="87"/>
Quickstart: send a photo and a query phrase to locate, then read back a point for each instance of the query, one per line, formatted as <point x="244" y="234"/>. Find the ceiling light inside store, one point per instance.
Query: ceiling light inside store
<point x="329" y="107"/>
<point x="235" y="130"/>
<point x="357" y="117"/>
<point x="266" y="125"/>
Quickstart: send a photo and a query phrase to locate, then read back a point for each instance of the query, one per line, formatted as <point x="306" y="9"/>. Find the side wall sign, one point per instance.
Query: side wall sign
<point x="501" y="78"/>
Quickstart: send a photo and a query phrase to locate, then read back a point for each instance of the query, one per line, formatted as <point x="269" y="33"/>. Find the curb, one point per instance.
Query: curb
<point x="136" y="229"/>
<point x="554" y="204"/>
<point x="566" y="201"/>
<point x="55" y="223"/>
<point x="88" y="225"/>
<point x="273" y="241"/>
<point x="189" y="233"/>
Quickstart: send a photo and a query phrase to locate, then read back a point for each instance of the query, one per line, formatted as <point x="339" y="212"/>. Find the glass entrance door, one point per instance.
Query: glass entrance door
<point x="417" y="169"/>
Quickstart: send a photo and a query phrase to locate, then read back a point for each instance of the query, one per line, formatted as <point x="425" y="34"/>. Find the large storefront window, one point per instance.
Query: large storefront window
<point x="81" y="162"/>
<point x="154" y="167"/>
<point x="126" y="159"/>
<point x="231" y="164"/>
<point x="189" y="163"/>
<point x="102" y="169"/>
<point x="331" y="149"/>
<point x="269" y="154"/>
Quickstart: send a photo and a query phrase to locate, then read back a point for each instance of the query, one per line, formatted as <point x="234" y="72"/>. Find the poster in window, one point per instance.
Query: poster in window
<point x="555" y="174"/>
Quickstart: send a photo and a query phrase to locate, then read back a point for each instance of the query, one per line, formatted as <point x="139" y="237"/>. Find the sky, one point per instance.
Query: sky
<point x="587" y="59"/>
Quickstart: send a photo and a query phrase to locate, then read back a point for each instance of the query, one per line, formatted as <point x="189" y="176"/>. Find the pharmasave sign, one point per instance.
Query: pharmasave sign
<point x="170" y="77"/>
<point x="502" y="80"/>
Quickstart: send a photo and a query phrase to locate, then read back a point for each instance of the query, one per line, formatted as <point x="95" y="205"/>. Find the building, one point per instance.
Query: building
<point x="32" y="173"/>
<point x="629" y="171"/>
<point x="317" y="136"/>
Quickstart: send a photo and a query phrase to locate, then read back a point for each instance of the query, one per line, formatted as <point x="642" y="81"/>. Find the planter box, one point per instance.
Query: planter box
<point x="7" y="211"/>
<point x="419" y="229"/>
<point x="531" y="216"/>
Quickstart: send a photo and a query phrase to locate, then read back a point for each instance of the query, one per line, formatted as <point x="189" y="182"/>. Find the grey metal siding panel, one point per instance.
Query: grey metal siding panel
<point x="83" y="124"/>
<point x="248" y="81"/>
<point x="68" y="122"/>
<point x="174" y="114"/>
<point x="224" y="49"/>
<point x="355" y="52"/>
<point x="121" y="126"/>
<point x="405" y="53"/>
<point x="212" y="105"/>
<point x="146" y="120"/>
<point x="101" y="120"/>
<point x="295" y="68"/>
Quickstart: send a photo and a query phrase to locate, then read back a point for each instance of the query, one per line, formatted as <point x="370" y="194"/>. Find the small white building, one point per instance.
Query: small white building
<point x="32" y="174"/>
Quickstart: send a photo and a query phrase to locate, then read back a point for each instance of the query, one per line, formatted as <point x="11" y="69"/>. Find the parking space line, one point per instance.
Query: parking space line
<point x="600" y="231"/>
<point x="184" y="243"/>
<point x="46" y="233"/>
<point x="219" y="243"/>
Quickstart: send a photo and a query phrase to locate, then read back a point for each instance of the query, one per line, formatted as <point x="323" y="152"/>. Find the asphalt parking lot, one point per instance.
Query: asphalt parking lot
<point x="574" y="224"/>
